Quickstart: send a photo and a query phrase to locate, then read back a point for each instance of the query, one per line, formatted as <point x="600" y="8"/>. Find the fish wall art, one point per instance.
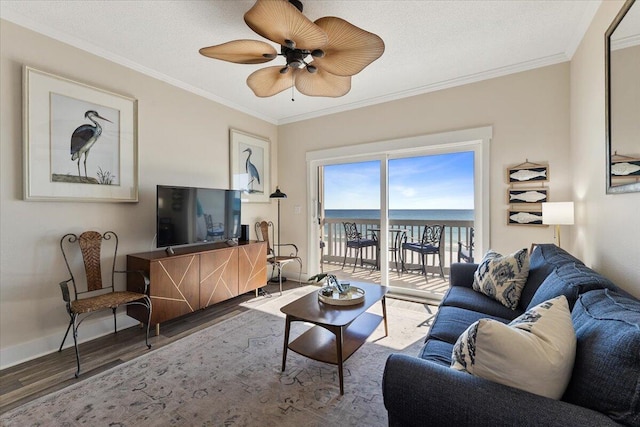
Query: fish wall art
<point x="537" y="173"/>
<point x="538" y="195"/>
<point x="524" y="217"/>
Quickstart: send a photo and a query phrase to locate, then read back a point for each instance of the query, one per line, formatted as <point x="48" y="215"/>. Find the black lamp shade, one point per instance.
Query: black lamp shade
<point x="278" y="194"/>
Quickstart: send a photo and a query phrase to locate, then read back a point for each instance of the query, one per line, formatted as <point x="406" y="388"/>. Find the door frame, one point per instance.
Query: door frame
<point x="477" y="140"/>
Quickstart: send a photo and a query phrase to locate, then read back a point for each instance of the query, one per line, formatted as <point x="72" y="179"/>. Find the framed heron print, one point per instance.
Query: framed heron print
<point x="250" y="167"/>
<point x="80" y="142"/>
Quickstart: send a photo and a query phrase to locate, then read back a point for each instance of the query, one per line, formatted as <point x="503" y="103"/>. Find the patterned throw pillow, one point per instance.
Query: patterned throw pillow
<point x="535" y="352"/>
<point x="502" y="277"/>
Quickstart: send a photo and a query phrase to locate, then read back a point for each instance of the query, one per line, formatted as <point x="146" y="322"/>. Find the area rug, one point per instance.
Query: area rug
<point x="230" y="375"/>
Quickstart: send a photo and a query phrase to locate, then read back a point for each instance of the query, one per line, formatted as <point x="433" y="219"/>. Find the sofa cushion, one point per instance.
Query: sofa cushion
<point x="450" y="322"/>
<point x="606" y="374"/>
<point x="570" y="280"/>
<point x="534" y="352"/>
<point x="543" y="260"/>
<point x="502" y="277"/>
<point x="458" y="296"/>
<point x="437" y="351"/>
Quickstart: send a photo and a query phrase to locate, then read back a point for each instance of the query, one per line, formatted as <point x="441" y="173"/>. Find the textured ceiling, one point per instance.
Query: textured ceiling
<point x="430" y="45"/>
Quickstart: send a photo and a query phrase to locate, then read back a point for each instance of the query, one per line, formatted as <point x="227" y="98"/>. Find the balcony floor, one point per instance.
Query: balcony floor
<point x="434" y="286"/>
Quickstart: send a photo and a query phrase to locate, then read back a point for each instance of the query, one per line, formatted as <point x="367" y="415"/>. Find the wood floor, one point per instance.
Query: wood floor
<point x="22" y="383"/>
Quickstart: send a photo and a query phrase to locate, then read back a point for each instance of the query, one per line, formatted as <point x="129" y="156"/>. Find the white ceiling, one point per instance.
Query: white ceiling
<point x="430" y="45"/>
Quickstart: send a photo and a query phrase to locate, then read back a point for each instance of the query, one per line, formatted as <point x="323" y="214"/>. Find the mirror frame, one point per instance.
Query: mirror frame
<point x="623" y="188"/>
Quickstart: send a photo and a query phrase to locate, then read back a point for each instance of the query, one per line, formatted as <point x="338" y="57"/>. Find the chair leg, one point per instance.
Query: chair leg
<point x="344" y="261"/>
<point x="280" y="277"/>
<point x="440" y="262"/>
<point x="75" y="342"/>
<point x="150" y="308"/>
<point x="115" y="325"/>
<point x="355" y="261"/>
<point x="423" y="260"/>
<point x="65" y="334"/>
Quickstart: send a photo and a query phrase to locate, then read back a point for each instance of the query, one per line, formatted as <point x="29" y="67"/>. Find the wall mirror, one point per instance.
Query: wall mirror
<point x="622" y="72"/>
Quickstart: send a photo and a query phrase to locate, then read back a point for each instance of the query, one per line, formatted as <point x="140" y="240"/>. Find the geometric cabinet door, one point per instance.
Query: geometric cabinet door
<point x="174" y="291"/>
<point x="218" y="276"/>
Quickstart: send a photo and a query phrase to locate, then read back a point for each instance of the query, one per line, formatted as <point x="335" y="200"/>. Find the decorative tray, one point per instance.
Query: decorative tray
<point x="352" y="296"/>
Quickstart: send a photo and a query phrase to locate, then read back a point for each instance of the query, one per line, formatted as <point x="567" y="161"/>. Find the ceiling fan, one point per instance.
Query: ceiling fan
<point x="321" y="56"/>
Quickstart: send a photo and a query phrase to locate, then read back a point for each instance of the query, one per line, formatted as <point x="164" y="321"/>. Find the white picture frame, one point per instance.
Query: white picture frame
<point x="80" y="142"/>
<point x="250" y="165"/>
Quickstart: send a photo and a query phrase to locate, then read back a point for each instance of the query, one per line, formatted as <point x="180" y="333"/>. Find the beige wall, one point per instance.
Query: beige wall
<point x="183" y="140"/>
<point x="607" y="234"/>
<point x="529" y="113"/>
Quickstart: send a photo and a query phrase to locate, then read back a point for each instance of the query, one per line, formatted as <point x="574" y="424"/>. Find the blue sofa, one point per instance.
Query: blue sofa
<point x="604" y="388"/>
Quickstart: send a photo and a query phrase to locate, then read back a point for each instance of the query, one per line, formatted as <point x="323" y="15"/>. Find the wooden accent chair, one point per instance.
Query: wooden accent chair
<point x="265" y="233"/>
<point x="431" y="243"/>
<point x="90" y="295"/>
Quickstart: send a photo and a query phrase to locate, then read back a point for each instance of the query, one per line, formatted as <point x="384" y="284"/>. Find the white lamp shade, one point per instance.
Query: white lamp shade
<point x="557" y="213"/>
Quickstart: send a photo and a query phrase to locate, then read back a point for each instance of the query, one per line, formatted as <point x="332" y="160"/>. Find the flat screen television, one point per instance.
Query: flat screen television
<point x="190" y="215"/>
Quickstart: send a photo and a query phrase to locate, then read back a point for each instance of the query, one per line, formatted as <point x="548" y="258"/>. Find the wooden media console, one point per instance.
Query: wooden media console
<point x="196" y="277"/>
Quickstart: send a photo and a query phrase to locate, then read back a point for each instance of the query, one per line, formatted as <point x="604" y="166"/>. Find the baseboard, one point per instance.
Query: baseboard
<point x="91" y="329"/>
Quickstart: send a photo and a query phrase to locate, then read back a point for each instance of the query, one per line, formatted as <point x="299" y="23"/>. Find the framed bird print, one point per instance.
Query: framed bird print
<point x="80" y="142"/>
<point x="250" y="166"/>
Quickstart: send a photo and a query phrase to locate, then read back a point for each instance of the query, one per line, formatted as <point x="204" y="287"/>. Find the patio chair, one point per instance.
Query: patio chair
<point x="465" y="250"/>
<point x="265" y="233"/>
<point x="90" y="295"/>
<point x="432" y="243"/>
<point x="357" y="242"/>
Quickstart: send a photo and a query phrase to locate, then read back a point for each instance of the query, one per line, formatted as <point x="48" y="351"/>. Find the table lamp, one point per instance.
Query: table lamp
<point x="557" y="213"/>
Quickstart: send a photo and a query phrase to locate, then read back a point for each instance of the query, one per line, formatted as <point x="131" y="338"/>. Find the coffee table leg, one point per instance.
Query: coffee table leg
<point x="287" y="327"/>
<point x="384" y="315"/>
<point x="338" y="333"/>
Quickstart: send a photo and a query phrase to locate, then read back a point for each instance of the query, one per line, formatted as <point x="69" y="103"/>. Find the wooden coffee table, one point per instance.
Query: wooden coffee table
<point x="339" y="330"/>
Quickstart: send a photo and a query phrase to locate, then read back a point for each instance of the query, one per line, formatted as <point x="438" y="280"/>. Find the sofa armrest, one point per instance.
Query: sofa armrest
<point x="419" y="393"/>
<point x="461" y="274"/>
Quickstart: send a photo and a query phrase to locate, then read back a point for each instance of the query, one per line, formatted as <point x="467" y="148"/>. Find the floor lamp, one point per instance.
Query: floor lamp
<point x="557" y="213"/>
<point x="278" y="195"/>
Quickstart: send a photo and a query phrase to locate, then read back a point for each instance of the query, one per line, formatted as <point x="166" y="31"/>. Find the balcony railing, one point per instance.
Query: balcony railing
<point x="335" y="241"/>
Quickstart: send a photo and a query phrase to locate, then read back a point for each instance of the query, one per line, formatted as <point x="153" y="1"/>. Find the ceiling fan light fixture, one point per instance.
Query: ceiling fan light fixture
<point x="339" y="50"/>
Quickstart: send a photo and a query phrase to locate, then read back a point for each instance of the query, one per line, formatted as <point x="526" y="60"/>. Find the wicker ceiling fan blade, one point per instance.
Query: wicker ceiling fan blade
<point x="279" y="21"/>
<point x="269" y="81"/>
<point x="322" y="83"/>
<point x="241" y="52"/>
<point x="350" y="48"/>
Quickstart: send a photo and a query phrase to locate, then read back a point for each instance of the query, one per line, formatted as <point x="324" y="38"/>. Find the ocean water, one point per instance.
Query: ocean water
<point x="411" y="214"/>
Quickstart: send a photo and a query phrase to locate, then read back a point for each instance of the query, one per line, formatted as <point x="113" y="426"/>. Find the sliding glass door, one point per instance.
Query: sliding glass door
<point x="395" y="190"/>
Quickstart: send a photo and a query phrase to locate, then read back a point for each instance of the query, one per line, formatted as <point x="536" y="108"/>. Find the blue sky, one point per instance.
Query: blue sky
<point x="443" y="181"/>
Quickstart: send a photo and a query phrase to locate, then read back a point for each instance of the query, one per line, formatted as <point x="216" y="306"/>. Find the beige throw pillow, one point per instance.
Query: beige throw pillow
<point x="535" y="352"/>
